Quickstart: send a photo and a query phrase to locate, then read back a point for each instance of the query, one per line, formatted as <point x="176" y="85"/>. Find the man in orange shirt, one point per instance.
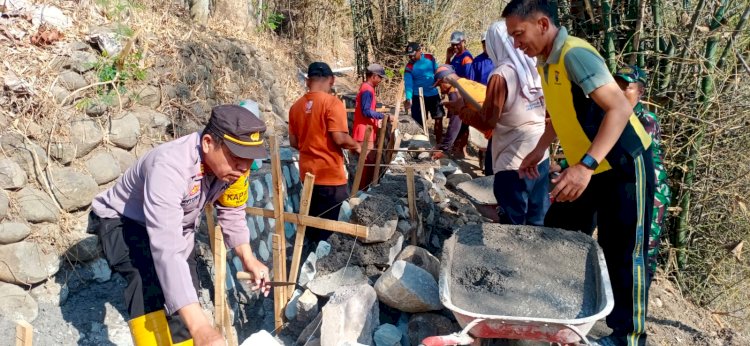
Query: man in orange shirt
<point x="318" y="128"/>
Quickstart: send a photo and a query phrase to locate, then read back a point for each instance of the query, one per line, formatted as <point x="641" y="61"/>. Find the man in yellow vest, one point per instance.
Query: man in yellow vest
<point x="611" y="169"/>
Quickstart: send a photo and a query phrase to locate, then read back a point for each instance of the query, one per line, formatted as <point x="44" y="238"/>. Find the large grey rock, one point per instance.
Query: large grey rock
<point x="84" y="247"/>
<point x="261" y="338"/>
<point x="429" y="324"/>
<point x="51" y="292"/>
<point x="20" y="151"/>
<point x="124" y="132"/>
<point x="72" y="80"/>
<point x="152" y="122"/>
<point x="12" y="175"/>
<point x="27" y="263"/>
<point x="60" y="94"/>
<point x="74" y="190"/>
<point x="16" y="304"/>
<point x="458" y="178"/>
<point x="379" y="214"/>
<point x="35" y="206"/>
<point x="103" y="167"/>
<point x="408" y="288"/>
<point x="325" y="285"/>
<point x="85" y="135"/>
<point x="124" y="158"/>
<point x="421" y="258"/>
<point x="350" y="315"/>
<point x="13" y="232"/>
<point x="51" y="16"/>
<point x="479" y="190"/>
<point x="387" y="335"/>
<point x="3" y="204"/>
<point x="301" y="309"/>
<point x="106" y="39"/>
<point x="149" y="96"/>
<point x="378" y="254"/>
<point x="81" y="61"/>
<point x="100" y="268"/>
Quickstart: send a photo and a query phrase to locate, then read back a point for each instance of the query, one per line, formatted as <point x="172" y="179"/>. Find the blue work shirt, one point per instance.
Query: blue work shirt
<point x="481" y="68"/>
<point x="420" y="74"/>
<point x="462" y="64"/>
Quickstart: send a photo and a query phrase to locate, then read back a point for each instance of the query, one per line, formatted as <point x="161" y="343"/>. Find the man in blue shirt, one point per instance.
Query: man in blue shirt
<point x="420" y="73"/>
<point x="482" y="65"/>
<point x="458" y="56"/>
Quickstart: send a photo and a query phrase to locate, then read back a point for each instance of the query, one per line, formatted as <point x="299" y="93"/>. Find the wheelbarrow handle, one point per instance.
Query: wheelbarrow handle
<point x="578" y="332"/>
<point x="447" y="340"/>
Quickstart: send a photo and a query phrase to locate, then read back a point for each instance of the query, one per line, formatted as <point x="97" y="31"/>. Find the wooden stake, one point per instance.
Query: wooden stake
<point x="220" y="279"/>
<point x="278" y="208"/>
<point x="278" y="292"/>
<point x="304" y="209"/>
<point x="361" y="162"/>
<point x="311" y="221"/>
<point x="24" y="333"/>
<point x="395" y="145"/>
<point x="412" y="202"/>
<point x="424" y="116"/>
<point x="381" y="135"/>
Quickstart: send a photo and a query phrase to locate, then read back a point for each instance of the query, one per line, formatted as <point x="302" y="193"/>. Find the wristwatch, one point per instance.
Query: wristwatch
<point x="589" y="161"/>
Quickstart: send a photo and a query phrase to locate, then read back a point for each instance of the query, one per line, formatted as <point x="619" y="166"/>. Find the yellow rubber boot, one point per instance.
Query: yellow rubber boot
<point x="152" y="330"/>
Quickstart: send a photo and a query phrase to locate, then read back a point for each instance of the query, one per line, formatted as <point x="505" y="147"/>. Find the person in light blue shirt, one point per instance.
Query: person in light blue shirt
<point x="420" y="73"/>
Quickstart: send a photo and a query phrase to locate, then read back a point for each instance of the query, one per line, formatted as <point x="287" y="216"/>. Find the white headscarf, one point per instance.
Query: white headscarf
<point x="501" y="52"/>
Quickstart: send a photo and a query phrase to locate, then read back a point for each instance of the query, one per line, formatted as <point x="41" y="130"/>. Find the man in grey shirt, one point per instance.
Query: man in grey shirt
<point x="148" y="219"/>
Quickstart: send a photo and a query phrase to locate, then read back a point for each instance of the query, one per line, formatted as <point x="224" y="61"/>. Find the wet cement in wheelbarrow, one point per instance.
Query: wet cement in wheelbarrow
<point x="523" y="271"/>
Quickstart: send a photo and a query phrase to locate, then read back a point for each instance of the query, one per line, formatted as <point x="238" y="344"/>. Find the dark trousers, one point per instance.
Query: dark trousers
<point x="522" y="201"/>
<point x="432" y="107"/>
<point x="126" y="247"/>
<point x="454" y="127"/>
<point x="621" y="201"/>
<point x="325" y="203"/>
<point x="488" y="171"/>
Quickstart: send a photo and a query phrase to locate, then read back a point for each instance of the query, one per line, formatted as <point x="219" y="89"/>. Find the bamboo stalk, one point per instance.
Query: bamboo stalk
<point x="412" y="202"/>
<point x="279" y="299"/>
<point x="379" y="155"/>
<point x="220" y="280"/>
<point x="278" y="208"/>
<point x="299" y="241"/>
<point x="311" y="221"/>
<point x="609" y="35"/>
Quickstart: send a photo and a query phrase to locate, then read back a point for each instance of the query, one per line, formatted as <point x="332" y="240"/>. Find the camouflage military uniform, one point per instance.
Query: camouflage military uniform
<point x="662" y="192"/>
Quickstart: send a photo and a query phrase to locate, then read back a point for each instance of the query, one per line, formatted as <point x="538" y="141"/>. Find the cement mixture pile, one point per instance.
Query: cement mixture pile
<point x="522" y="271"/>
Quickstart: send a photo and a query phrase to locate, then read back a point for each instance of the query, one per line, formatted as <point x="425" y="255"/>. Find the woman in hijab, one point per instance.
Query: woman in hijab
<point x="514" y="110"/>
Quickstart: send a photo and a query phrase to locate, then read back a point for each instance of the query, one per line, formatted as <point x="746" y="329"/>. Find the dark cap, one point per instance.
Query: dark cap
<point x="319" y="69"/>
<point x="457" y="37"/>
<point x="443" y="71"/>
<point x="412" y="48"/>
<point x="632" y="74"/>
<point x="240" y="129"/>
<point x="376" y="69"/>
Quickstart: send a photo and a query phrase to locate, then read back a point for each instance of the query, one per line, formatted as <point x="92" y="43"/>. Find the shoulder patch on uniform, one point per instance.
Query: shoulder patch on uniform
<point x="236" y="194"/>
<point x="467" y="60"/>
<point x="429" y="56"/>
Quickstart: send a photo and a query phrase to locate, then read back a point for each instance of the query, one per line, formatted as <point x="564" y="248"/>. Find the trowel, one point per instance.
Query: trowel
<point x="249" y="276"/>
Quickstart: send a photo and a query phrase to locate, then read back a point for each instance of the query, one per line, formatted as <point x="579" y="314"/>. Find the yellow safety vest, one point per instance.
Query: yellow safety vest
<point x="576" y="117"/>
